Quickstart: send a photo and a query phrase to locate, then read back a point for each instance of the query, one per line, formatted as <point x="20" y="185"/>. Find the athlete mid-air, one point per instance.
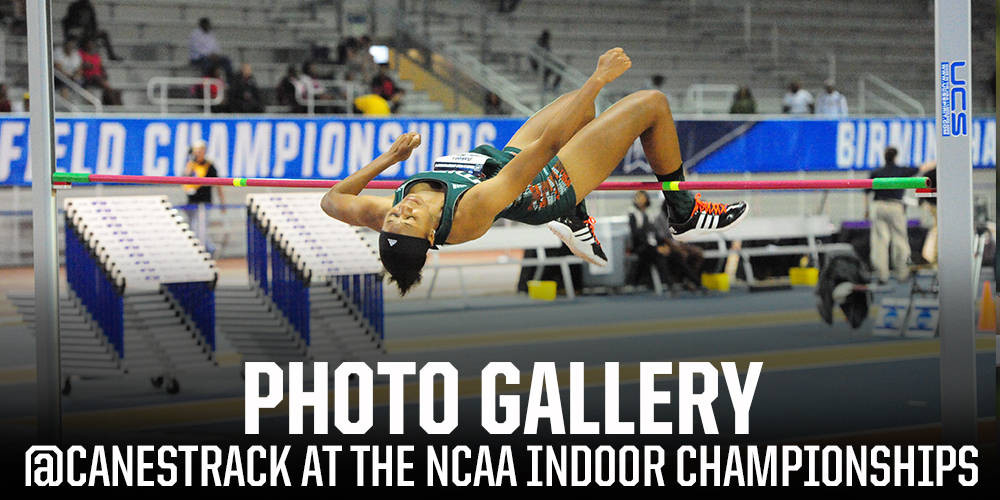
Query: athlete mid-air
<point x="541" y="176"/>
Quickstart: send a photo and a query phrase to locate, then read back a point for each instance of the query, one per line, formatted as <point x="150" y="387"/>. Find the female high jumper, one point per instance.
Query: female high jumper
<point x="541" y="176"/>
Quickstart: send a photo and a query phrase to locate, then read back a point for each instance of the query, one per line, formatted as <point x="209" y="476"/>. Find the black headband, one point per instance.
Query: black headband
<point x="402" y="253"/>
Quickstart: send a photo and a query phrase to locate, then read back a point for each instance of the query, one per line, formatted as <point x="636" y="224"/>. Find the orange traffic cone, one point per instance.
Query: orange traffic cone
<point x="987" y="310"/>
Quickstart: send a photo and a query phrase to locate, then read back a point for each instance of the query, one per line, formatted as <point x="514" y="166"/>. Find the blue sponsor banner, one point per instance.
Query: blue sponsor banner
<point x="321" y="148"/>
<point x="717" y="147"/>
<point x="332" y="148"/>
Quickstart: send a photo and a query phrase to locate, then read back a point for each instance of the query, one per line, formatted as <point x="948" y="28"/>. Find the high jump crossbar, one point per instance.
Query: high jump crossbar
<point x="881" y="183"/>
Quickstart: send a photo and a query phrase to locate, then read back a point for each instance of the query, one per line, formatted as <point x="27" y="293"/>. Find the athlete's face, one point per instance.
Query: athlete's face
<point x="411" y="217"/>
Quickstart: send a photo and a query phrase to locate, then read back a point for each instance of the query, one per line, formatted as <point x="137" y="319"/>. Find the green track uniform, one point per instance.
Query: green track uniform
<point x="550" y="194"/>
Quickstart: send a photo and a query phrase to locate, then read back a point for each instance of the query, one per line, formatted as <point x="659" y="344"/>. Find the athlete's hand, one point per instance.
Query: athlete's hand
<point x="404" y="145"/>
<point x="612" y="64"/>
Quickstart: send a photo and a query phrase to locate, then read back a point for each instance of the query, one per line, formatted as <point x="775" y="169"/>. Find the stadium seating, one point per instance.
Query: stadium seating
<point x="704" y="41"/>
<point x="152" y="38"/>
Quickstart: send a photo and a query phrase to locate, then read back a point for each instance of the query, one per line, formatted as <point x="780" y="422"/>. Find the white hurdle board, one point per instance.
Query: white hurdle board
<point x="141" y="241"/>
<point x="319" y="245"/>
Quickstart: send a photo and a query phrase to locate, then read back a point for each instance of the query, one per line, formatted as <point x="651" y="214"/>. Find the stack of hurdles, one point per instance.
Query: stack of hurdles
<point x="133" y="263"/>
<point x="319" y="272"/>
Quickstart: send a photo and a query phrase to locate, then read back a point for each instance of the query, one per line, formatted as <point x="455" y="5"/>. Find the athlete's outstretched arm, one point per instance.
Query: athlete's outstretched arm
<point x="342" y="201"/>
<point x="492" y="196"/>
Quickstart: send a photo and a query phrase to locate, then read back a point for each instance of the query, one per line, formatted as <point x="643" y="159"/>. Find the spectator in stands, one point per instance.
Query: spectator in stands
<point x="69" y="64"/>
<point x="544" y="43"/>
<point x="831" y="103"/>
<point x="307" y="83"/>
<point x="22" y="106"/>
<point x="205" y="51"/>
<point x="18" y="18"/>
<point x="494" y="106"/>
<point x="743" y="102"/>
<point x="285" y="92"/>
<point x="5" y="106"/>
<point x="385" y="86"/>
<point x="200" y="196"/>
<point x="94" y="74"/>
<point x="212" y="80"/>
<point x="993" y="87"/>
<point x="244" y="95"/>
<point x="365" y="59"/>
<point x="643" y="242"/>
<point x="372" y="105"/>
<point x="508" y="6"/>
<point x="797" y="101"/>
<point x="659" y="82"/>
<point x="345" y="49"/>
<point x="80" y="23"/>
<point x="888" y="220"/>
<point x="684" y="261"/>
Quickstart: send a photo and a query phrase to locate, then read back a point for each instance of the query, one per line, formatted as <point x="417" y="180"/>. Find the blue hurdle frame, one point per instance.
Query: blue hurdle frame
<point x="274" y="271"/>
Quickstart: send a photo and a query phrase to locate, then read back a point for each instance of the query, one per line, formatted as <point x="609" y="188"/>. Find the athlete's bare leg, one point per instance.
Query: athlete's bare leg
<point x="591" y="155"/>
<point x="532" y="129"/>
<point x="594" y="152"/>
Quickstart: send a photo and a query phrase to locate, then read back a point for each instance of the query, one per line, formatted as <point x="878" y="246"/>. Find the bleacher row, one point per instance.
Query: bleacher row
<point x="704" y="42"/>
<point x="152" y="36"/>
<point x="688" y="41"/>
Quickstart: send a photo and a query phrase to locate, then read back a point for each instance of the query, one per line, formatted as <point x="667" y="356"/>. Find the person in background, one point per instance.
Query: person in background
<point x="831" y="103"/>
<point x="5" y="106"/>
<point x="215" y="82"/>
<point x="205" y="52"/>
<point x="244" y="95"/>
<point x="743" y="102"/>
<point x="285" y="91"/>
<point x="798" y="101"/>
<point x="930" y="249"/>
<point x="888" y="220"/>
<point x="80" y="23"/>
<point x="659" y="82"/>
<point x="365" y="60"/>
<point x="372" y="105"/>
<point x="94" y="74"/>
<point x="68" y="63"/>
<point x="684" y="261"/>
<point x="383" y="85"/>
<point x="544" y="43"/>
<point x="23" y="105"/>
<point x="201" y="196"/>
<point x="643" y="242"/>
<point x="508" y="6"/>
<point x="308" y="84"/>
<point x="493" y="106"/>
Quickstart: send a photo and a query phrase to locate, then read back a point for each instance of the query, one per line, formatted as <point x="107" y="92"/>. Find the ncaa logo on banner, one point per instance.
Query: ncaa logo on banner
<point x="954" y="99"/>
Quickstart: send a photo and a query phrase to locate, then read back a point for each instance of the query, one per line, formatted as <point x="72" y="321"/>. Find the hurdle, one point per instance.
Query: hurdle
<point x="319" y="273"/>
<point x="137" y="269"/>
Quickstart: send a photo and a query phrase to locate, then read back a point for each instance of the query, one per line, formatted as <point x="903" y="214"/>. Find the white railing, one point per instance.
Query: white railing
<point x="309" y="98"/>
<point x="865" y="94"/>
<point x="711" y="97"/>
<point x="80" y="91"/>
<point x="164" y="83"/>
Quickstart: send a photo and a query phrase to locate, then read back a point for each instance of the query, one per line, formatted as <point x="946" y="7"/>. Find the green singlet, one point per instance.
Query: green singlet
<point x="550" y="194"/>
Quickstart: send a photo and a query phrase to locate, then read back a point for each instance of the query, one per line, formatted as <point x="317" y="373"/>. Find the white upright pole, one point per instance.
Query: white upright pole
<point x="953" y="74"/>
<point x="45" y="258"/>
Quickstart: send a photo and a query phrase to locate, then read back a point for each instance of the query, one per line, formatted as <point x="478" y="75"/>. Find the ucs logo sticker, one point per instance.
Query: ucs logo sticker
<point x="954" y="99"/>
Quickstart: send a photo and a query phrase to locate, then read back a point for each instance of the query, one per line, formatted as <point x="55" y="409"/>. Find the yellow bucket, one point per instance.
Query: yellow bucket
<point x="542" y="290"/>
<point x="806" y="276"/>
<point x="715" y="281"/>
